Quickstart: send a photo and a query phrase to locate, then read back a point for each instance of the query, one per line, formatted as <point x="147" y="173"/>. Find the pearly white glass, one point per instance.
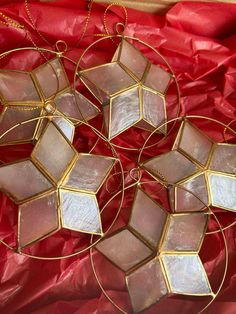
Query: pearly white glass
<point x="223" y="191"/>
<point x="80" y="212"/>
<point x="146" y="285"/>
<point x="124" y="249"/>
<point x="194" y="143"/>
<point x="170" y="167"/>
<point x="11" y="117"/>
<point x="125" y="111"/>
<point x="89" y="172"/>
<point x="224" y="158"/>
<point x="22" y="180"/>
<point x="51" y="77"/>
<point x="54" y="158"/>
<point x="157" y="79"/>
<point x="186" y="201"/>
<point x="131" y="58"/>
<point x="38" y="219"/>
<point x="17" y="86"/>
<point x="185" y="232"/>
<point x="75" y="105"/>
<point x="147" y="218"/>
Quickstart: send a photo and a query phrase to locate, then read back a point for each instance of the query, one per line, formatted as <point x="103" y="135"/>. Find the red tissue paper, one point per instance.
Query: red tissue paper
<point x="199" y="42"/>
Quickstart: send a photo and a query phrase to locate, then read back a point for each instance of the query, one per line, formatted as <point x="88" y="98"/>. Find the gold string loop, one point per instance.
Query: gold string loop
<point x="117" y="25"/>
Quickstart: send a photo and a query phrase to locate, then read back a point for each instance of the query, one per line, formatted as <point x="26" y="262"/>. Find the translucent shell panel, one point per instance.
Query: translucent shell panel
<point x="89" y="172"/>
<point x="185" y="232"/>
<point x="124" y="249"/>
<point x="66" y="127"/>
<point x="157" y="79"/>
<point x="80" y="212"/>
<point x="186" y="274"/>
<point x="125" y="111"/>
<point x="101" y="96"/>
<point x="54" y="158"/>
<point x="51" y="77"/>
<point x="110" y="78"/>
<point x="194" y="143"/>
<point x="17" y="86"/>
<point x="75" y="105"/>
<point x="132" y="58"/>
<point x="38" y="219"/>
<point x="170" y="167"/>
<point x="22" y="180"/>
<point x="224" y="158"/>
<point x="154" y="111"/>
<point x="10" y="117"/>
<point x="186" y="201"/>
<point x="223" y="191"/>
<point x="147" y="218"/>
<point x="146" y="285"/>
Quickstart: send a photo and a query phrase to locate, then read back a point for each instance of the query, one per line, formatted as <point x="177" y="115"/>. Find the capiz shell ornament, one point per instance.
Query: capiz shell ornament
<point x="159" y="254"/>
<point x="55" y="190"/>
<point x="131" y="89"/>
<point x="200" y="165"/>
<point x="45" y="90"/>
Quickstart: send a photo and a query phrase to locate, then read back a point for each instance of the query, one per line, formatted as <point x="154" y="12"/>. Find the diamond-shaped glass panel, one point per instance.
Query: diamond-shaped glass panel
<point x="147" y="218"/>
<point x="89" y="172"/>
<point x="75" y="105"/>
<point x="51" y="77"/>
<point x="185" y="232"/>
<point x="125" y="111"/>
<point x="224" y="158"/>
<point x="170" y="167"/>
<point x="223" y="191"/>
<point x="17" y="86"/>
<point x="22" y="180"/>
<point x="146" y="285"/>
<point x="80" y="212"/>
<point x="154" y="111"/>
<point x="131" y="58"/>
<point x="194" y="143"/>
<point x="53" y="152"/>
<point x="124" y="249"/>
<point x="194" y="198"/>
<point x="186" y="274"/>
<point x="157" y="79"/>
<point x="110" y="78"/>
<point x="66" y="127"/>
<point x="38" y="219"/>
<point x="11" y="117"/>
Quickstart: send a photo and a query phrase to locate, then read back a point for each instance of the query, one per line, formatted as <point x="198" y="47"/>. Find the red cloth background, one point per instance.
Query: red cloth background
<point x="199" y="41"/>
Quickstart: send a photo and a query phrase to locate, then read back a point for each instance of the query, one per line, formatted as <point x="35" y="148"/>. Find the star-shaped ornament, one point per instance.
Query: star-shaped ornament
<point x="158" y="252"/>
<point x="55" y="188"/>
<point x="131" y="89"/>
<point x="44" y="91"/>
<point x="201" y="166"/>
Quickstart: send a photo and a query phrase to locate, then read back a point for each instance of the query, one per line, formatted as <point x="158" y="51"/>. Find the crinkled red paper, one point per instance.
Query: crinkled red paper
<point x="199" y="42"/>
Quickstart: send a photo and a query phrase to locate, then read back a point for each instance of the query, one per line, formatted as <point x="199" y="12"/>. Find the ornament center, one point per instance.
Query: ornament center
<point x="50" y="107"/>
